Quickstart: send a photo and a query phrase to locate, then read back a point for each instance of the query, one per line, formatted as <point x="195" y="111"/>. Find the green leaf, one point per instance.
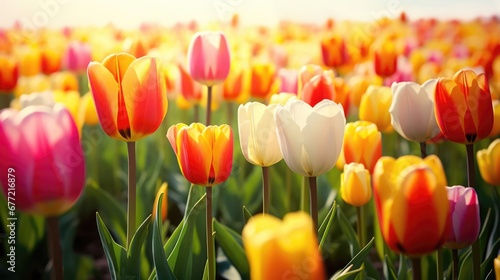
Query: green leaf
<point x="349" y="232"/>
<point x="116" y="255"/>
<point x="324" y="229"/>
<point x="465" y="272"/>
<point x="487" y="263"/>
<point x="163" y="271"/>
<point x="346" y="273"/>
<point x="355" y="263"/>
<point x="246" y="214"/>
<point x="186" y="250"/>
<point x="111" y="210"/>
<point x="403" y="267"/>
<point x="134" y="255"/>
<point x="232" y="244"/>
<point x="389" y="270"/>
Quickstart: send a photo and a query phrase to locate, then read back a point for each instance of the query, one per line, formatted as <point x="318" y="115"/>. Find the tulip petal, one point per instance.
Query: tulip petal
<point x="222" y="160"/>
<point x="190" y="145"/>
<point x="104" y="90"/>
<point x="145" y="98"/>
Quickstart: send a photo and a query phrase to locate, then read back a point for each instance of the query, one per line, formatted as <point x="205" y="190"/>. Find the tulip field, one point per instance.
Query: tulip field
<point x="336" y="150"/>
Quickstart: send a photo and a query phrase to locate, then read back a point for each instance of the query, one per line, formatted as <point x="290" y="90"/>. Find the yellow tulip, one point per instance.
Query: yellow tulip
<point x="374" y="107"/>
<point x="285" y="249"/>
<point x="355" y="187"/>
<point x="488" y="161"/>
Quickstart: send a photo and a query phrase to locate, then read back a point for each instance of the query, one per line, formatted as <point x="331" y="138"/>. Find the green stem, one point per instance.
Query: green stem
<point x="131" y="192"/>
<point x="359" y="224"/>
<point x="55" y="247"/>
<point x="313" y="198"/>
<point x="209" y="105"/>
<point x="416" y="268"/>
<point x="423" y="149"/>
<point x="456" y="267"/>
<point x="196" y="116"/>
<point x="439" y="260"/>
<point x="471" y="179"/>
<point x="304" y="197"/>
<point x="210" y="239"/>
<point x="360" y="230"/>
<point x="265" y="189"/>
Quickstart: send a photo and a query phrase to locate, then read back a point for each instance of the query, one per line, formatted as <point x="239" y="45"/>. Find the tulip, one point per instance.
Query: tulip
<point x="495" y="131"/>
<point x="8" y="73"/>
<point x="463" y="217"/>
<point x="288" y="80"/>
<point x="234" y="84"/>
<point x="77" y="56"/>
<point x="310" y="138"/>
<point x="40" y="147"/>
<point x="362" y="144"/>
<point x="375" y="105"/>
<point x="29" y="60"/>
<point x="285" y="249"/>
<point x="259" y="141"/>
<point x="385" y="59"/>
<point x="412" y="111"/>
<point x="51" y="60"/>
<point x="261" y="79"/>
<point x="355" y="186"/>
<point x="257" y="130"/>
<point x="189" y="89"/>
<point x="129" y="95"/>
<point x="204" y="154"/>
<point x="306" y="73"/>
<point x="358" y="86"/>
<point x="488" y="161"/>
<point x="318" y="88"/>
<point x="341" y="93"/>
<point x="44" y="98"/>
<point x="64" y="81"/>
<point x="208" y="58"/>
<point x="333" y="51"/>
<point x="87" y="113"/>
<point x="164" y="204"/>
<point x="463" y="106"/>
<point x="412" y="203"/>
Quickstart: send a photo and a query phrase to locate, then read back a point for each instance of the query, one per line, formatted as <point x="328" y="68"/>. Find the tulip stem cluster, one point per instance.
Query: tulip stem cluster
<point x="265" y="189"/>
<point x="55" y="247"/>
<point x="131" y="192"/>
<point x="210" y="239"/>
<point x="471" y="179"/>
<point x="313" y="198"/>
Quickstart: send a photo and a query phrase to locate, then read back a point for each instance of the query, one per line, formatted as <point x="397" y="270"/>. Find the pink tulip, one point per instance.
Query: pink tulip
<point x="208" y="58"/>
<point x="463" y="217"/>
<point x="288" y="79"/>
<point x="42" y="164"/>
<point x="77" y="57"/>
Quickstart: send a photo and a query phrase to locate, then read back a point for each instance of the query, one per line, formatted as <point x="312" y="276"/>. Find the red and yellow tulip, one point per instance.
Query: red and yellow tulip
<point x="204" y="153"/>
<point x="463" y="107"/>
<point x="129" y="95"/>
<point x="362" y="144"/>
<point x="411" y="203"/>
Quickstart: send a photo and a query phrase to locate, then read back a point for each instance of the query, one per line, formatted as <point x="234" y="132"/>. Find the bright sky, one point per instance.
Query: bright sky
<point x="129" y="14"/>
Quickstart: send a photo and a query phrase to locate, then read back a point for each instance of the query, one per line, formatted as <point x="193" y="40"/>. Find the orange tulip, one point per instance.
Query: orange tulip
<point x="495" y="131"/>
<point x="8" y="73"/>
<point x="463" y="106"/>
<point x="362" y="144"/>
<point x="51" y="60"/>
<point x="29" y="60"/>
<point x="190" y="90"/>
<point x="261" y="79"/>
<point x="285" y="249"/>
<point x="386" y="59"/>
<point x="64" y="81"/>
<point x="333" y="51"/>
<point x="129" y="95"/>
<point x="412" y="203"/>
<point x="205" y="154"/>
